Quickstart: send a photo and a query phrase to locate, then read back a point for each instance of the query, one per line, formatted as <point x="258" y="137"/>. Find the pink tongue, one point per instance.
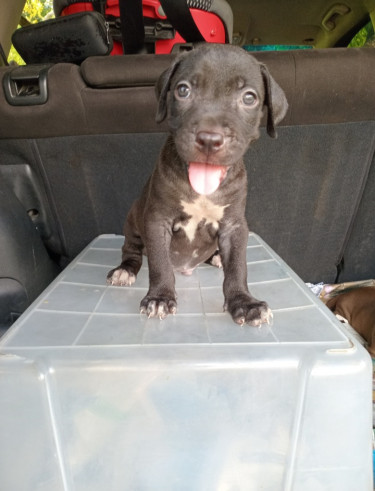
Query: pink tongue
<point x="206" y="178"/>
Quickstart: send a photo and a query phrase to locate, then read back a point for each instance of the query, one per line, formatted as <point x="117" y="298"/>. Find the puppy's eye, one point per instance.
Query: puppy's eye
<point x="249" y="98"/>
<point x="183" y="90"/>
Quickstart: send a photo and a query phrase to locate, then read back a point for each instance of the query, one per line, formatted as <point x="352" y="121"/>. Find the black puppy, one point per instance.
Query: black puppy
<point x="194" y="202"/>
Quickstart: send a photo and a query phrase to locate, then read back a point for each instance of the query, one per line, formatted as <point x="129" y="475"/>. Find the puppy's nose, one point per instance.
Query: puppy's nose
<point x="209" y="142"/>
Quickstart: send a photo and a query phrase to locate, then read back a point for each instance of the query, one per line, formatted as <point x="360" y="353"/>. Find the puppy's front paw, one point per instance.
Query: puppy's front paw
<point x="120" y="277"/>
<point x="245" y="309"/>
<point x="158" y="306"/>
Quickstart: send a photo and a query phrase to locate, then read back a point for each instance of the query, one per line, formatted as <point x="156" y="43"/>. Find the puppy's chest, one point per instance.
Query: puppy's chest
<point x="199" y="216"/>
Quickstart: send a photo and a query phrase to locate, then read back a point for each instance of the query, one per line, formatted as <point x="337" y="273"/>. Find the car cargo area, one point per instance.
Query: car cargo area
<point x="76" y="163"/>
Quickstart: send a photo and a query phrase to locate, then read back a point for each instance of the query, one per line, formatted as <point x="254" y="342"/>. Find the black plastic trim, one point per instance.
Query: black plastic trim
<point x="26" y="85"/>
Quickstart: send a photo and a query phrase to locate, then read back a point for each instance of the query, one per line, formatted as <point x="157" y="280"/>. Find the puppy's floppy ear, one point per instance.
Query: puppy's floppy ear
<point x="162" y="88"/>
<point x="275" y="100"/>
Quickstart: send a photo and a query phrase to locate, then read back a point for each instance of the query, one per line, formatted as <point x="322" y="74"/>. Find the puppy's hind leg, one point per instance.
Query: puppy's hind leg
<point x="215" y="260"/>
<point x="125" y="274"/>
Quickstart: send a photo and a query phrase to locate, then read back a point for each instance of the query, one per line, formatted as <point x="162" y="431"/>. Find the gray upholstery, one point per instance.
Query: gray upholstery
<point x="359" y="252"/>
<point x="323" y="86"/>
<point x="304" y="192"/>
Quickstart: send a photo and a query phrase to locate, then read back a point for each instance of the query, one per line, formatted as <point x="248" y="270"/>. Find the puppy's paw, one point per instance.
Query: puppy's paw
<point x="158" y="306"/>
<point x="215" y="260"/>
<point x="245" y="309"/>
<point x="120" y="277"/>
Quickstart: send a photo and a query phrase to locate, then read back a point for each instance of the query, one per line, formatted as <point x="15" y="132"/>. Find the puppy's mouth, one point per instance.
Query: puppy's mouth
<point x="205" y="178"/>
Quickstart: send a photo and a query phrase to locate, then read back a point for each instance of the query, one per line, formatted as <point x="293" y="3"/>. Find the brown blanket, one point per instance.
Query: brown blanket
<point x="358" y="308"/>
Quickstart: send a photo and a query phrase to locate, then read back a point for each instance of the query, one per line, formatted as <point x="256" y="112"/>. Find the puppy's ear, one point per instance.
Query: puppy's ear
<point x="162" y="88"/>
<point x="275" y="100"/>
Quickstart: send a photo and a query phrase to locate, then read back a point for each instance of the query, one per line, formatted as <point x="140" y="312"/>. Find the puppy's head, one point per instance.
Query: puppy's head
<point x="213" y="98"/>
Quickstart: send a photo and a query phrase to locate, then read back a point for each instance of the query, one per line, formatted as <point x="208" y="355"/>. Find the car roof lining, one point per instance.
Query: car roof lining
<point x="285" y="22"/>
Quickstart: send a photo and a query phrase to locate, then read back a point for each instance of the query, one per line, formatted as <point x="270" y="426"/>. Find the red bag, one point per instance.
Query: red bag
<point x="214" y="23"/>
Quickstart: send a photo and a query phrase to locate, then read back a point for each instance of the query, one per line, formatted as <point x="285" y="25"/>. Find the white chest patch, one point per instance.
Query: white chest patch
<point x="202" y="209"/>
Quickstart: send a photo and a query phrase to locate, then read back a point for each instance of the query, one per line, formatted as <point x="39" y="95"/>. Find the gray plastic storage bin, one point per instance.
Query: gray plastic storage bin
<point x="95" y="396"/>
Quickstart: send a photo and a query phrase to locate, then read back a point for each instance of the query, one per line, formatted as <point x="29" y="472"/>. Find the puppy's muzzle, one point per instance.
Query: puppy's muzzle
<point x="209" y="142"/>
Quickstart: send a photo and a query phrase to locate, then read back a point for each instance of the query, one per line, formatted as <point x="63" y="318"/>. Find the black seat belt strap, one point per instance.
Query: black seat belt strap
<point x="179" y="15"/>
<point x="132" y="27"/>
<point x="99" y="6"/>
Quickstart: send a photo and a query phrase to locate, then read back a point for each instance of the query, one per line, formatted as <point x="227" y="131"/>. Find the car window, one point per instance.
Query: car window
<point x="274" y="47"/>
<point x="34" y="11"/>
<point x="365" y="37"/>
